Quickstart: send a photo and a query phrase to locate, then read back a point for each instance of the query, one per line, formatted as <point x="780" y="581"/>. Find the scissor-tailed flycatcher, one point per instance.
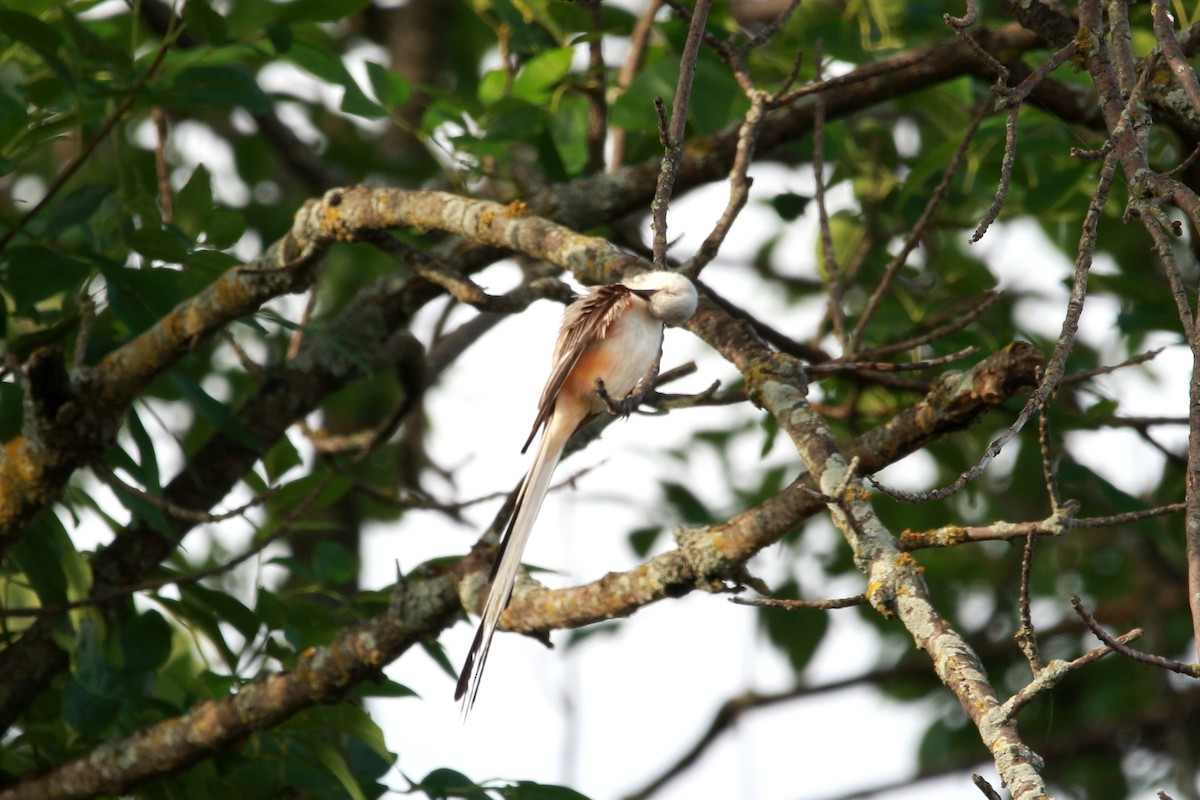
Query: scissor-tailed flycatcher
<point x="605" y="359"/>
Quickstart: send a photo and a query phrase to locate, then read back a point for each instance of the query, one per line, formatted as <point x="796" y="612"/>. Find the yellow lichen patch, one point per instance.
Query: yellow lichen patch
<point x="517" y="209"/>
<point x="906" y="560"/>
<point x="856" y="493"/>
<point x="487" y="218"/>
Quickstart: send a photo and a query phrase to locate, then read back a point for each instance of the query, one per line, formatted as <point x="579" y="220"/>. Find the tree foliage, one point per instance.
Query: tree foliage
<point x="226" y="227"/>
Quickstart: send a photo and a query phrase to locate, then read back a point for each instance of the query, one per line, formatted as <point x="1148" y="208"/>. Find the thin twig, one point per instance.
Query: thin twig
<point x="1164" y="34"/>
<point x="792" y="605"/>
<point x="1140" y="358"/>
<point x="1026" y="636"/>
<point x="1049" y="676"/>
<point x="833" y="277"/>
<point x="980" y="782"/>
<point x="1190" y="670"/>
<point x="768" y="31"/>
<point x="887" y="366"/>
<point x="959" y="322"/>
<point x="597" y="130"/>
<point x="674" y="132"/>
<point x="165" y="204"/>
<point x="114" y="482"/>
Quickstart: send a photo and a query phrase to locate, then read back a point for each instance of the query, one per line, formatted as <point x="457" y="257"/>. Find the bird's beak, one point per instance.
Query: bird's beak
<point x="645" y="294"/>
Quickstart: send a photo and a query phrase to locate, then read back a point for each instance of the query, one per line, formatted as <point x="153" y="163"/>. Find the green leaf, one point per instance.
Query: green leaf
<point x="281" y="37"/>
<point x="147" y="463"/>
<point x="32" y="274"/>
<point x="789" y="205"/>
<point x="159" y="244"/>
<point x="438" y="653"/>
<point x="382" y="688"/>
<point x="796" y="633"/>
<point x="642" y="540"/>
<point x="282" y="457"/>
<point x="140" y="297"/>
<point x="227" y="608"/>
<point x="329" y="68"/>
<point x="390" y="87"/>
<point x="88" y="712"/>
<point x="541" y="75"/>
<point x="225" y="226"/>
<point x="321" y="10"/>
<point x="443" y="784"/>
<point x="204" y="23"/>
<point x="214" y="87"/>
<point x="351" y="720"/>
<point x="333" y="564"/>
<point x="23" y="29"/>
<point x="528" y="790"/>
<point x="39" y="555"/>
<point x="689" y="506"/>
<point x="634" y="110"/>
<point x="333" y="761"/>
<point x="193" y="615"/>
<point x="146" y="642"/>
<point x="219" y="414"/>
<point x="492" y="87"/>
<point x="194" y="203"/>
<point x="569" y="128"/>
<point x="76" y="208"/>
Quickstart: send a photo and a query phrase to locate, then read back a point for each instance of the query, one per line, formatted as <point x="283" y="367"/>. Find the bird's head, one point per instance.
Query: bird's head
<point x="671" y="297"/>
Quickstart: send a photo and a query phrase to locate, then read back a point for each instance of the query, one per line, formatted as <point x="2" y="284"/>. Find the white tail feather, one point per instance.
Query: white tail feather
<point x="504" y="573"/>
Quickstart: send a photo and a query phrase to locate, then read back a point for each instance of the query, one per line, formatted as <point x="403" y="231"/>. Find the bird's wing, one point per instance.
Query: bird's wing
<point x="586" y="321"/>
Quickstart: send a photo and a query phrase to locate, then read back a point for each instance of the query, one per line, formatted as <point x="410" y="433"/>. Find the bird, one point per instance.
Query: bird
<point x="605" y="360"/>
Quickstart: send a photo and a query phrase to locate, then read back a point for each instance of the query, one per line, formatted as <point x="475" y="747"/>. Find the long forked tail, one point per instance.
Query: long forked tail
<point x="508" y="560"/>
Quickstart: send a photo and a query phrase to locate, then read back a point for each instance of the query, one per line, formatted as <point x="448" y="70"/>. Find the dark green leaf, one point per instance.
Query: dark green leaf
<point x="159" y="244"/>
<point x="194" y="203"/>
<point x="204" y="23"/>
<point x="333" y="565"/>
<point x="796" y="632"/>
<point x="41" y="38"/>
<point x="789" y="205"/>
<point x="690" y="507"/>
<point x="335" y="762"/>
<point x="76" y="209"/>
<point x="528" y="790"/>
<point x="226" y="607"/>
<point x="391" y="89"/>
<point x="215" y="87"/>
<point x="642" y="540"/>
<point x="321" y="10"/>
<point x="443" y="784"/>
<point x="32" y="274"/>
<point x="88" y="712"/>
<point x="217" y="413"/>
<point x="146" y="642"/>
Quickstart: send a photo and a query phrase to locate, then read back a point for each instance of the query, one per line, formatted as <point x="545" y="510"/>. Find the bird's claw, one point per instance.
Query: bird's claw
<point x="620" y="408"/>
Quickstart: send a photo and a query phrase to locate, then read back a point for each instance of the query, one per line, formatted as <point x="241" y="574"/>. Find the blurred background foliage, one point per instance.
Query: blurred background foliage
<point x="246" y="108"/>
